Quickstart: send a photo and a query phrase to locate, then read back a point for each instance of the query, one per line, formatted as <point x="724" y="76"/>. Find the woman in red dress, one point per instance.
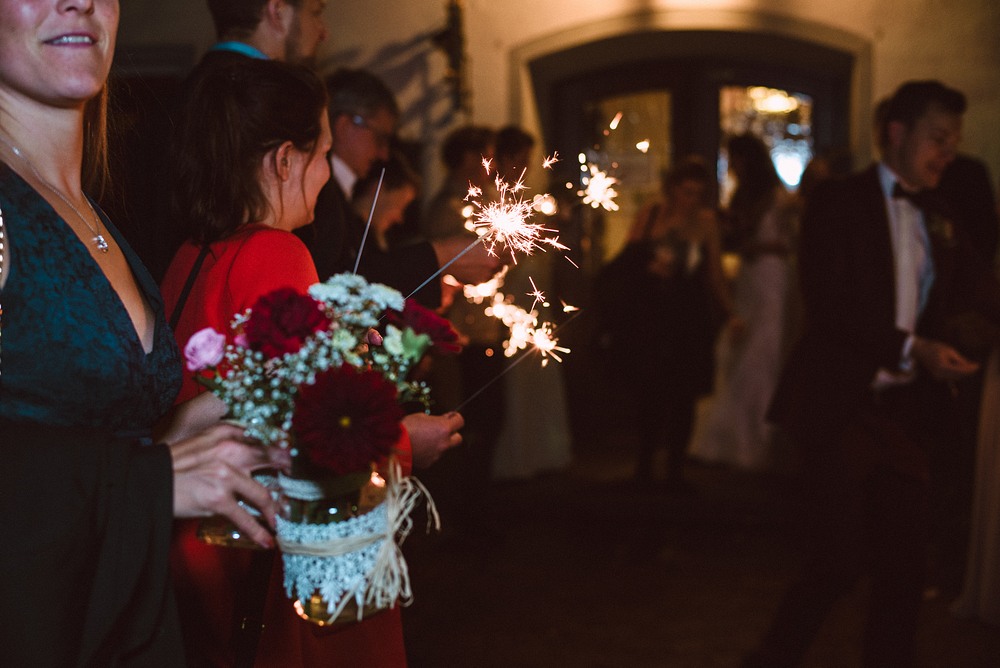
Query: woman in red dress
<point x="250" y="161"/>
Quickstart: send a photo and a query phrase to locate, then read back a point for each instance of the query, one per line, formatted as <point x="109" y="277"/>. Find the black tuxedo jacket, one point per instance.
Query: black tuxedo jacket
<point x="334" y="239"/>
<point x="848" y="289"/>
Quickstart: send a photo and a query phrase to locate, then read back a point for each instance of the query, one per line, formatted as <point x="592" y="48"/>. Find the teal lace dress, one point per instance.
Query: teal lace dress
<point x="87" y="502"/>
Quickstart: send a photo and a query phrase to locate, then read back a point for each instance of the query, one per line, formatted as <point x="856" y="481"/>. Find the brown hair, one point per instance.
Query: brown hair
<point x="237" y="19"/>
<point x="235" y="115"/>
<point x="96" y="173"/>
<point x="911" y="101"/>
<point x="757" y="180"/>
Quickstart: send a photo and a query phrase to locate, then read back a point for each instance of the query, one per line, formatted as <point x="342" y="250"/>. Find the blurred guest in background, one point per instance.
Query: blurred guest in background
<point x="733" y="429"/>
<point x="385" y="197"/>
<point x="662" y="298"/>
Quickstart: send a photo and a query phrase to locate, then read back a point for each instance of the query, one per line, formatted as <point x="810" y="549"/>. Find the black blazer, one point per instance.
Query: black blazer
<point x="334" y="239"/>
<point x="848" y="290"/>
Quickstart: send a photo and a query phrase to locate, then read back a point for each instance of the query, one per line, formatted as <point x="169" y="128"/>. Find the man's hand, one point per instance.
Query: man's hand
<point x="432" y="435"/>
<point x="941" y="360"/>
<point x="475" y="266"/>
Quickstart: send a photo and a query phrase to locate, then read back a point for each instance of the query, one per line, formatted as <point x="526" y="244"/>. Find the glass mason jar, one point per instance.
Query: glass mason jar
<point x="220" y="531"/>
<point x="332" y="509"/>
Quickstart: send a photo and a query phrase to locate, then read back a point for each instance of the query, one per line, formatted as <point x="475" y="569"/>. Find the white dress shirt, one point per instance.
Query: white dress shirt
<point x="914" y="272"/>
<point x="345" y="177"/>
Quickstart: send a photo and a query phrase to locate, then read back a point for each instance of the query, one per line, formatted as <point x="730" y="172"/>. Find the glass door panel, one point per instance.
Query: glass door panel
<point x="782" y="119"/>
<point x="633" y="145"/>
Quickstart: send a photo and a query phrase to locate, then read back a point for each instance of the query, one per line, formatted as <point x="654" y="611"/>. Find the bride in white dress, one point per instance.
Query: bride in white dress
<point x="731" y="427"/>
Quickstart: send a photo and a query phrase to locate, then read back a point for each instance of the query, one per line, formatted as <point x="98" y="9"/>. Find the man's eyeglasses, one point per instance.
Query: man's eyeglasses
<point x="382" y="138"/>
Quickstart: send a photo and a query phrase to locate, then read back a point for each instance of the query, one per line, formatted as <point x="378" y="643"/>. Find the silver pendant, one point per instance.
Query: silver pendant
<point x="102" y="245"/>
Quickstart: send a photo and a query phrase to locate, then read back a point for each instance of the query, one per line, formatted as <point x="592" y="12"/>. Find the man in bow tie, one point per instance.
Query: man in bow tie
<point x="867" y="388"/>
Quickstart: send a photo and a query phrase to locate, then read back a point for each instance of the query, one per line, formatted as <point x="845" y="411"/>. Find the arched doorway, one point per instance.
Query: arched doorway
<point x="679" y="87"/>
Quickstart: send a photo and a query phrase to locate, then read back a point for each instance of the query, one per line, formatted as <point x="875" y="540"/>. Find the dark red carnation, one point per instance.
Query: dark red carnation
<point x="281" y="320"/>
<point x="422" y="320"/>
<point x="347" y="419"/>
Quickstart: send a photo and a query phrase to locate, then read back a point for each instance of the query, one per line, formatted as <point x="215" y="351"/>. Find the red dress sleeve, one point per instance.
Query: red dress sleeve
<point x="208" y="579"/>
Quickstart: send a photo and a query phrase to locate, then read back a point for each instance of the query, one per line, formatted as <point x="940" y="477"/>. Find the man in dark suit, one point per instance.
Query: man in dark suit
<point x="868" y="387"/>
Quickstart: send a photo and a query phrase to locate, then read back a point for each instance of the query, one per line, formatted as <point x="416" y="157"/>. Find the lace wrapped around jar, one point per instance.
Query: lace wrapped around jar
<point x="341" y="551"/>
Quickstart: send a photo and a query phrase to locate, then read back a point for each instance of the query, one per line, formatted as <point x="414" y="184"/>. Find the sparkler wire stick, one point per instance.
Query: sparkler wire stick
<point x="495" y="378"/>
<point x="368" y="225"/>
<point x="443" y="267"/>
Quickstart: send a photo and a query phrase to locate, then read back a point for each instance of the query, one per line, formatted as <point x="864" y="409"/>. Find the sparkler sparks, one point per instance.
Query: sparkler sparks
<point x="547" y="344"/>
<point x="545" y="204"/>
<point x="568" y="308"/>
<point x="537" y="296"/>
<point x="598" y="189"/>
<point x="504" y="222"/>
<point x="525" y="330"/>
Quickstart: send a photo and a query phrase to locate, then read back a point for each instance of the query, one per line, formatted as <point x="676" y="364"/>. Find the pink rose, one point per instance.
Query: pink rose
<point x="374" y="338"/>
<point x="204" y="349"/>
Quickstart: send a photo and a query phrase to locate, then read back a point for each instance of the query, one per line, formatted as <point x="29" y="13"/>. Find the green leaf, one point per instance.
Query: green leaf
<point x="415" y="345"/>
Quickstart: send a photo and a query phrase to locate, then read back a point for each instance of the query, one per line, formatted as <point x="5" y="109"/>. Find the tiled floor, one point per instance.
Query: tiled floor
<point x="581" y="568"/>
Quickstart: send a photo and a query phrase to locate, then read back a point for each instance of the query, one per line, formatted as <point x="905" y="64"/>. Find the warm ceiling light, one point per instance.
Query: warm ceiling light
<point x="772" y="100"/>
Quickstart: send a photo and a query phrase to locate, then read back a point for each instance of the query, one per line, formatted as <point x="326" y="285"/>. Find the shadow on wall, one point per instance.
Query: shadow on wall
<point x="408" y="65"/>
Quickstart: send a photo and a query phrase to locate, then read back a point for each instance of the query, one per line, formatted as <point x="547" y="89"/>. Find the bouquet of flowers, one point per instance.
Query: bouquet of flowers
<point x="327" y="375"/>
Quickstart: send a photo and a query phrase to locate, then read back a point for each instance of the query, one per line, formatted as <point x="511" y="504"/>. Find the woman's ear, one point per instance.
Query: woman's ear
<point x="283" y="161"/>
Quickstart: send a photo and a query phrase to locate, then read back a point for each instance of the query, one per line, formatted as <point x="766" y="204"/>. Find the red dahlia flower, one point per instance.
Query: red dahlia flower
<point x="347" y="419"/>
<point x="422" y="320"/>
<point x="281" y="320"/>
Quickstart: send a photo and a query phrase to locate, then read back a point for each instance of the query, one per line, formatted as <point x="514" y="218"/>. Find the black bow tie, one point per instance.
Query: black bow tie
<point x="920" y="199"/>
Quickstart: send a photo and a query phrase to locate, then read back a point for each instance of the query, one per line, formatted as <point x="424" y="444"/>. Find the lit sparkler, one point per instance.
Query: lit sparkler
<point x="598" y="188"/>
<point x="537" y="296"/>
<point x="505" y="222"/>
<point x="547" y="344"/>
<point x="525" y="331"/>
<point x="482" y="291"/>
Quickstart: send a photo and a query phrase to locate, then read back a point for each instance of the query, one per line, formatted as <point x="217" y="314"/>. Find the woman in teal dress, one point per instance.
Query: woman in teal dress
<point x="87" y="367"/>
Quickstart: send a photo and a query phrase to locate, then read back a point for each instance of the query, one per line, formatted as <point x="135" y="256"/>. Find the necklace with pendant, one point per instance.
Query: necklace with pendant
<point x="98" y="238"/>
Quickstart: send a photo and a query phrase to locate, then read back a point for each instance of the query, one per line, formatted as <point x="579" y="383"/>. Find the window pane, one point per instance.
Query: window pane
<point x="782" y="119"/>
<point x="632" y="145"/>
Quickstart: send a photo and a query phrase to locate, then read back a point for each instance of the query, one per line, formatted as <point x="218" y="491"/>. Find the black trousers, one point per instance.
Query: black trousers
<point x="868" y="496"/>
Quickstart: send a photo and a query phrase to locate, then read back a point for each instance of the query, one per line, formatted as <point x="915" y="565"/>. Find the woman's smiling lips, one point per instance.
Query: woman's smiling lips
<point x="72" y="39"/>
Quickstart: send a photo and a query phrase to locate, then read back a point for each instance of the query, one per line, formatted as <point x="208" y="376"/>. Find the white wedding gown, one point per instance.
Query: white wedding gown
<point x="980" y="597"/>
<point x="730" y="426"/>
